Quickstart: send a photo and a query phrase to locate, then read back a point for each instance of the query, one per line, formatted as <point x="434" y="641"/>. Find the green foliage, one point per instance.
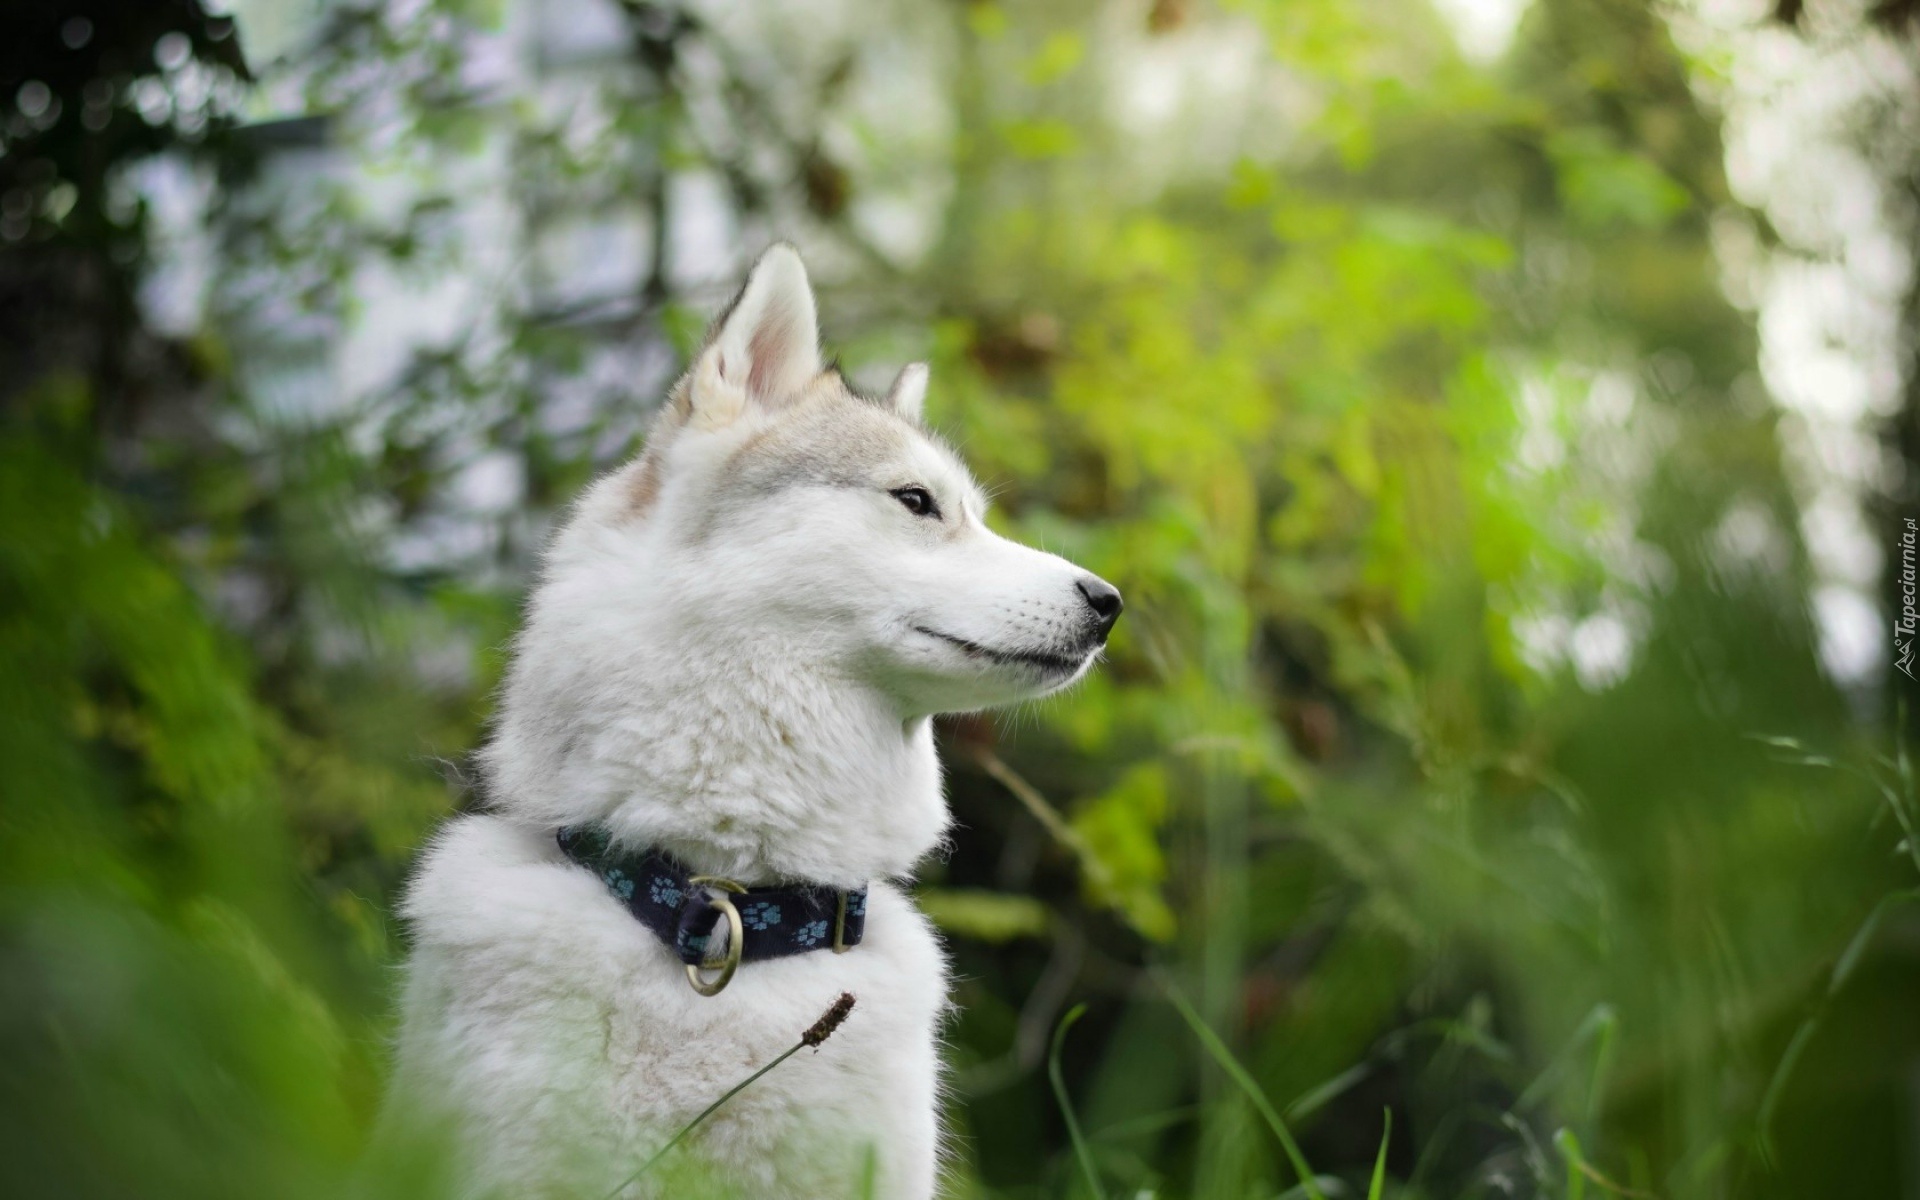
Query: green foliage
<point x="1121" y="830"/>
<point x="1398" y="396"/>
<point x="1601" y="185"/>
<point x="984" y="915"/>
<point x="1080" y="1150"/>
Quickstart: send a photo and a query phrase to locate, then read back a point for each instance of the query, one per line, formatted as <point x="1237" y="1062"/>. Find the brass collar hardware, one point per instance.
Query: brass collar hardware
<point x="684" y="910"/>
<point x="717" y="897"/>
<point x="840" y="926"/>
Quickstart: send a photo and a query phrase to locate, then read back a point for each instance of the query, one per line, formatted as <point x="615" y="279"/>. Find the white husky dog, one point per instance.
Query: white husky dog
<point x="731" y="664"/>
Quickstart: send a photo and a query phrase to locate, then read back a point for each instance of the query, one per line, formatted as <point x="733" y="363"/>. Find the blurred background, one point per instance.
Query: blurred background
<point x="1501" y="415"/>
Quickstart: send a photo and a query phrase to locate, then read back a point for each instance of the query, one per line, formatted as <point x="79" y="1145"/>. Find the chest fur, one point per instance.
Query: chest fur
<point x="564" y="1039"/>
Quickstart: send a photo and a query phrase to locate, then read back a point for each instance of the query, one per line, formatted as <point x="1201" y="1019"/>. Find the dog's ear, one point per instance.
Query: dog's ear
<point x="765" y="347"/>
<point x="908" y="395"/>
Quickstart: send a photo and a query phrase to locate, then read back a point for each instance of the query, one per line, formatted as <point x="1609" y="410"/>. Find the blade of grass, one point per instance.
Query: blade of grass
<point x="1317" y="1097"/>
<point x="1142" y="1126"/>
<point x="1530" y="1152"/>
<point x="1049" y="817"/>
<point x="1843" y="969"/>
<point x="1897" y="799"/>
<point x="1568" y="1144"/>
<point x="1863" y="937"/>
<point x="1579" y="1170"/>
<point x="1080" y="1148"/>
<point x="1231" y="1065"/>
<point x="820" y="1032"/>
<point x="690" y="1126"/>
<point x="1778" y="1084"/>
<point x="1597" y="1028"/>
<point x="1602" y="1058"/>
<point x="1379" y="1182"/>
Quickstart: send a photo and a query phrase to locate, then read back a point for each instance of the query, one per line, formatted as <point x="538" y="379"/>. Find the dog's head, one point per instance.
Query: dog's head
<point x="778" y="512"/>
<point x="738" y="636"/>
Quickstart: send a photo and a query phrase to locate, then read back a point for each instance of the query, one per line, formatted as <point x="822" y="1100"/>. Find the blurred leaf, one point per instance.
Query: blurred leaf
<point x="1120" y="828"/>
<point x="1060" y="54"/>
<point x="1376" y="1187"/>
<point x="1040" y="139"/>
<point x="988" y="916"/>
<point x="1603" y="184"/>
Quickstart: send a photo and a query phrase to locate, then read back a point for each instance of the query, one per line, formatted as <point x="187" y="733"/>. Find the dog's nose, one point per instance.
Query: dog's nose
<point x="1104" y="599"/>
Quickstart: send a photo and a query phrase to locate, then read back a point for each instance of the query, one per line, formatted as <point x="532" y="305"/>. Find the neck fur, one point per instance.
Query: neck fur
<point x="754" y="766"/>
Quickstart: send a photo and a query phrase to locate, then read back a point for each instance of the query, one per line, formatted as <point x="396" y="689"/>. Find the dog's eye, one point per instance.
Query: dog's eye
<point x="918" y="501"/>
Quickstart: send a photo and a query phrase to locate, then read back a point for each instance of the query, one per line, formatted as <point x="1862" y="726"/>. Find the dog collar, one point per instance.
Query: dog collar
<point x="683" y="910"/>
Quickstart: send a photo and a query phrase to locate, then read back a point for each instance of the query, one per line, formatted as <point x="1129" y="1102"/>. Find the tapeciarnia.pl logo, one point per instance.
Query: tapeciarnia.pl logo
<point x="1905" y="626"/>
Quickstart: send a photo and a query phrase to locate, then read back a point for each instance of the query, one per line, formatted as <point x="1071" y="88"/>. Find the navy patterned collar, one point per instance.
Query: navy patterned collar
<point x="661" y="894"/>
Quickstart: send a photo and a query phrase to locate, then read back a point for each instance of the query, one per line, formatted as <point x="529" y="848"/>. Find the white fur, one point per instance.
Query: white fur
<point x="908" y="395"/>
<point x="733" y="654"/>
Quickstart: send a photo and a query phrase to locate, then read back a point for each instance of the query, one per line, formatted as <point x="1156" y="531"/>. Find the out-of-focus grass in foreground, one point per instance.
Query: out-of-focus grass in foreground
<point x="1465" y="755"/>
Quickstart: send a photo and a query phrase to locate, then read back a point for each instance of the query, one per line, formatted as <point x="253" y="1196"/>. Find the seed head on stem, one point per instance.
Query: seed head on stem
<point x="817" y="1033"/>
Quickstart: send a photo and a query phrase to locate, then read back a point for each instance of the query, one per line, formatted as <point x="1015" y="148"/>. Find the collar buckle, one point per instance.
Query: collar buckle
<point x="685" y="910"/>
<point x="717" y="897"/>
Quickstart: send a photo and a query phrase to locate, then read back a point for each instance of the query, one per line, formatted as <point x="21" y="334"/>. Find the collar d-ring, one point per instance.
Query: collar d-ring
<point x="718" y="897"/>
